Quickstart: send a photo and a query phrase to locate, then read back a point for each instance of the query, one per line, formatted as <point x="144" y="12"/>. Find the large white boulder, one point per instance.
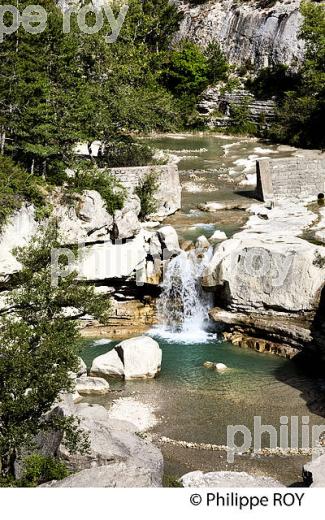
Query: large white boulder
<point x="108" y="260"/>
<point x="267" y="271"/>
<point x="127" y="220"/>
<point x="169" y="239"/>
<point x="85" y="221"/>
<point x="116" y="475"/>
<point x="111" y="442"/>
<point x="135" y="358"/>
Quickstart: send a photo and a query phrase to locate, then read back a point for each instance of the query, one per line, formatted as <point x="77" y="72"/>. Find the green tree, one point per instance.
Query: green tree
<point x="301" y="111"/>
<point x="187" y="69"/>
<point x="218" y="66"/>
<point x="40" y="342"/>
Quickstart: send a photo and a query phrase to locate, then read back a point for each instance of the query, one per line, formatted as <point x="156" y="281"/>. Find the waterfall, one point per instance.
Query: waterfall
<point x="183" y="305"/>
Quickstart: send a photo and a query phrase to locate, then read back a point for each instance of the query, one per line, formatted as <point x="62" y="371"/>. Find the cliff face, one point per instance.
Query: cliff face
<point x="247" y="32"/>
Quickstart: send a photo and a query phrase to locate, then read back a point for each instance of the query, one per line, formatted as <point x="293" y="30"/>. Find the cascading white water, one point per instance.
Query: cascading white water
<point x="183" y="305"/>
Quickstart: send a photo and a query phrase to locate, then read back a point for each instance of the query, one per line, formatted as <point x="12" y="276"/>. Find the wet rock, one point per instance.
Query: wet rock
<point x="209" y="364"/>
<point x="202" y="243"/>
<point x="135" y="358"/>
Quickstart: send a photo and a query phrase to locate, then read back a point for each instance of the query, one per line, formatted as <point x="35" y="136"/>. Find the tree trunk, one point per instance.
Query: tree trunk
<point x="2" y="141"/>
<point x="8" y="463"/>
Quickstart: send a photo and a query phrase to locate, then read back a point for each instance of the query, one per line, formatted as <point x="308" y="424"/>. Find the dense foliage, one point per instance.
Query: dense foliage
<point x="300" y="95"/>
<point x="17" y="187"/>
<point x="39" y="349"/>
<point x="146" y="191"/>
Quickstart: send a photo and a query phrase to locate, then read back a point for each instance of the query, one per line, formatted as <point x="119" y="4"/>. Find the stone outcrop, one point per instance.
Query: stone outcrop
<point x="255" y="33"/>
<point x="116" y="475"/>
<point x="113" y="444"/>
<point x="268" y="282"/>
<point x="227" y="479"/>
<point x="314" y="472"/>
<point x="216" y="106"/>
<point x="168" y="195"/>
<point x="135" y="358"/>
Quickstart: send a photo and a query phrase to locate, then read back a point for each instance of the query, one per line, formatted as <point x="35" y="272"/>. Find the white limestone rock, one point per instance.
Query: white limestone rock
<point x="247" y="32"/>
<point x="202" y="243"/>
<point x="169" y="239"/>
<point x="135" y="358"/>
<point x="16" y="233"/>
<point x="116" y="475"/>
<point x="111" y="441"/>
<point x="314" y="472"/>
<point x="109" y="261"/>
<point x="266" y="266"/>
<point x="126" y="219"/>
<point x="218" y="236"/>
<point x="82" y="368"/>
<point x="85" y="221"/>
<point x="227" y="479"/>
<point x="220" y="367"/>
<point x="91" y="385"/>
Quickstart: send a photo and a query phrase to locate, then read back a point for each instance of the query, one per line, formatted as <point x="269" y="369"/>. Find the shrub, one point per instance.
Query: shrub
<point x="39" y="469"/>
<point x="124" y="151"/>
<point x="17" y="186"/>
<point x="218" y="66"/>
<point x="187" y="70"/>
<point x="111" y="190"/>
<point x="240" y="117"/>
<point x="146" y="190"/>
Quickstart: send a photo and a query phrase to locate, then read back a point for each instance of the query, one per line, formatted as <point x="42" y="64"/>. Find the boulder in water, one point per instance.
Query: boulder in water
<point x="135" y="358"/>
<point x="91" y="386"/>
<point x="220" y="367"/>
<point x="209" y="364"/>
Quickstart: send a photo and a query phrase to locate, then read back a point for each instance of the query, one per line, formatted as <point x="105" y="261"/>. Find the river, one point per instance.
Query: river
<point x="192" y="403"/>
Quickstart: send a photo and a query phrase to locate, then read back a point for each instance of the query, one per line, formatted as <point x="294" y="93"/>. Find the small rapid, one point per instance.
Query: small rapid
<point x="183" y="305"/>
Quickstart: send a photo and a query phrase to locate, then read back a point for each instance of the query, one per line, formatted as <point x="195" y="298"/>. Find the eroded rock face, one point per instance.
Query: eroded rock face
<point x="269" y="282"/>
<point x="135" y="358"/>
<point x="259" y="272"/>
<point x="247" y="32"/>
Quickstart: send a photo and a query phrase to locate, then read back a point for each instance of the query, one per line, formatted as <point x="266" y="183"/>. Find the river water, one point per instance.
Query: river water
<point x="192" y="403"/>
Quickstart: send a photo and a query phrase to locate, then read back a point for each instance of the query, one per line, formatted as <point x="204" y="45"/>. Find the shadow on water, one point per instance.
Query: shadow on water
<point x="307" y="378"/>
<point x="310" y="365"/>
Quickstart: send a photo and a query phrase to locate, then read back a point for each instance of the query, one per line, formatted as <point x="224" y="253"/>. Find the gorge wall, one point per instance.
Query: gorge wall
<point x="257" y="33"/>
